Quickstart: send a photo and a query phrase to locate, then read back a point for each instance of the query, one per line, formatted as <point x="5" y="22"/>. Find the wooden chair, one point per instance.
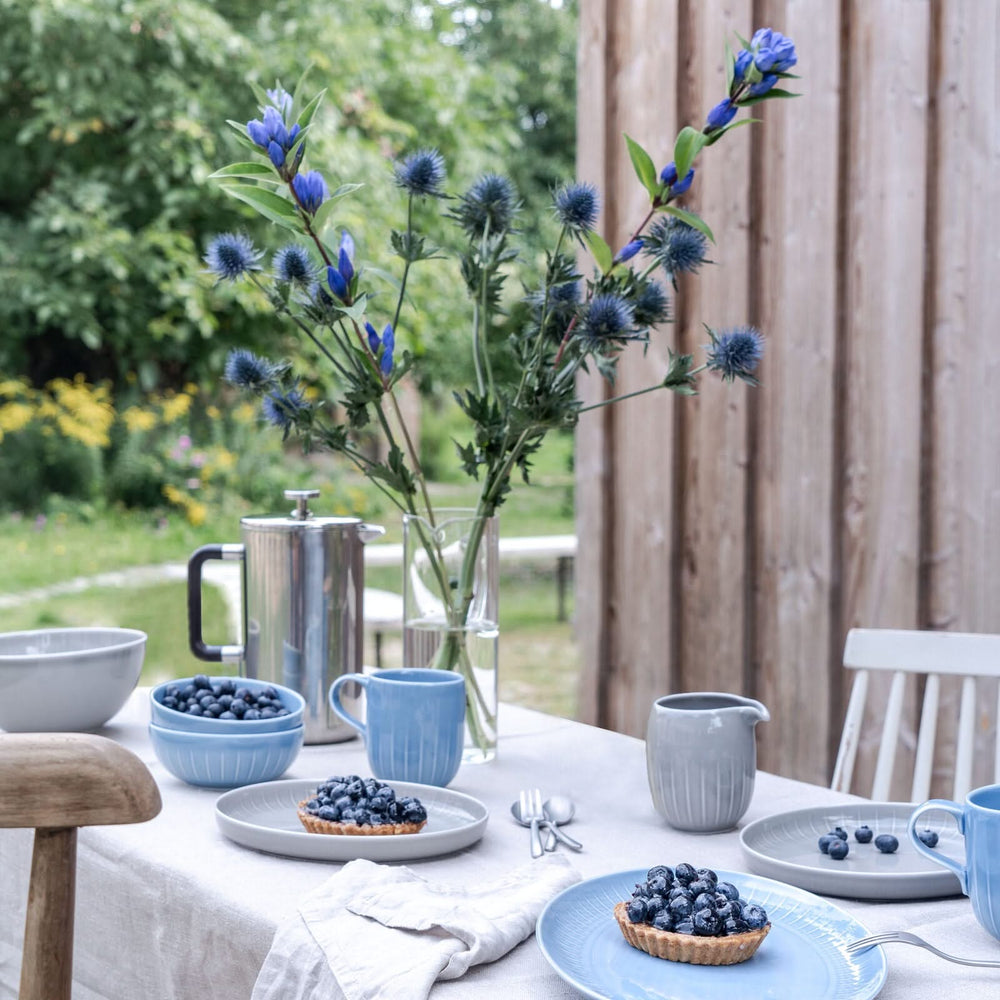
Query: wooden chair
<point x="933" y="655"/>
<point x="55" y="783"/>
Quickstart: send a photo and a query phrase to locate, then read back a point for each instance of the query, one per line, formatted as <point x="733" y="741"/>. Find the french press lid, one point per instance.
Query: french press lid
<point x="301" y="518"/>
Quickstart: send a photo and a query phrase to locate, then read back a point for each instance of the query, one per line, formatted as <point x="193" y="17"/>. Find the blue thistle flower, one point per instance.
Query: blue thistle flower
<point x="246" y="370"/>
<point x="735" y="353"/>
<point x="311" y="190"/>
<point x="421" y="173"/>
<point x="283" y="407"/>
<point x="608" y="317"/>
<point x="577" y="206"/>
<point x="489" y="204"/>
<point x="668" y="175"/>
<point x="566" y="293"/>
<point x="292" y="263"/>
<point x="722" y="114"/>
<point x="231" y="255"/>
<point x="652" y="304"/>
<point x="676" y="246"/>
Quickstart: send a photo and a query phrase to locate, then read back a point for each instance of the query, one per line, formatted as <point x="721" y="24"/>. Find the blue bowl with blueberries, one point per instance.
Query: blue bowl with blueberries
<point x="236" y="705"/>
<point x="226" y="760"/>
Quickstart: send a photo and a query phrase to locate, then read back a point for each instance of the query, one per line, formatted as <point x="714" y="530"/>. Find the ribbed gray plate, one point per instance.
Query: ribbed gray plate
<point x="784" y="847"/>
<point x="802" y="956"/>
<point x="264" y="817"/>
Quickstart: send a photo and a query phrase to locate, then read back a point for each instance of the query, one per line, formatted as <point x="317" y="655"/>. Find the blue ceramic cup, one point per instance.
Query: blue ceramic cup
<point x="978" y="820"/>
<point x="415" y="722"/>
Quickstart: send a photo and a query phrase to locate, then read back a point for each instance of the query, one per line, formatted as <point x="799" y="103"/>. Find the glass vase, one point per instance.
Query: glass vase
<point x="450" y="602"/>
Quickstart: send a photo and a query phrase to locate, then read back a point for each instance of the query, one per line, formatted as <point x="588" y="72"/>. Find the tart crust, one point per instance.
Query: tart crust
<point x="729" y="950"/>
<point x="316" y="825"/>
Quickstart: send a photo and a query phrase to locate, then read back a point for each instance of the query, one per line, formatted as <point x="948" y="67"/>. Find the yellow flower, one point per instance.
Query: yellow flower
<point x="212" y="412"/>
<point x="138" y="420"/>
<point x="191" y="389"/>
<point x="13" y="387"/>
<point x="174" y="495"/>
<point x="176" y="407"/>
<point x="15" y="417"/>
<point x="196" y="512"/>
<point x="222" y="458"/>
<point x="244" y="413"/>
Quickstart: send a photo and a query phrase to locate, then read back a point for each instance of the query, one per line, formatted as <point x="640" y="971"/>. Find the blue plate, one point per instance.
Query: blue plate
<point x="803" y="955"/>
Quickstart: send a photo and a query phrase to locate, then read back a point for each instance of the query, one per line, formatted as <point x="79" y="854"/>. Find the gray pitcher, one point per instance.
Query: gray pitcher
<point x="701" y="758"/>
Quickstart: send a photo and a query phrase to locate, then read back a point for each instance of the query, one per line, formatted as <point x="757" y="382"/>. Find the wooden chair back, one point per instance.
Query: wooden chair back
<point x="56" y="783"/>
<point x="970" y="656"/>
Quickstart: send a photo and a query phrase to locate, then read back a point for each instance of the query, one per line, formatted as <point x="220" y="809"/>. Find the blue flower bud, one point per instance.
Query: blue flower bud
<point x="281" y="136"/>
<point x="763" y="86"/>
<point x="281" y="99"/>
<point x="293" y="135"/>
<point x="336" y="282"/>
<point x="722" y="114"/>
<point x="347" y="243"/>
<point x="311" y="189"/>
<point x="669" y="173"/>
<point x="373" y="339"/>
<point x="388" y="346"/>
<point x="681" y="186"/>
<point x="272" y="122"/>
<point x="345" y="266"/>
<point x="743" y="61"/>
<point x="276" y="153"/>
<point x="628" y="251"/>
<point x="258" y="133"/>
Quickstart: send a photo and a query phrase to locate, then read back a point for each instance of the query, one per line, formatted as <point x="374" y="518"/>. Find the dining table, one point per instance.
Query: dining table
<point x="173" y="909"/>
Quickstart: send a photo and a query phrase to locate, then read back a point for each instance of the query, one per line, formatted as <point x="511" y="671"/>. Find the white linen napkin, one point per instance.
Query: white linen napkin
<point x="375" y="932"/>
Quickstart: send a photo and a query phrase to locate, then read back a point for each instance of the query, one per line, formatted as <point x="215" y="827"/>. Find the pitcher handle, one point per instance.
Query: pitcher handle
<point x="201" y="649"/>
<point x="942" y="859"/>
<point x="337" y="705"/>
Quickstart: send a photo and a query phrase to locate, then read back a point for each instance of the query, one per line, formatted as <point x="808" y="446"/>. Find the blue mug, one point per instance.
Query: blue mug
<point x="978" y="820"/>
<point x="415" y="722"/>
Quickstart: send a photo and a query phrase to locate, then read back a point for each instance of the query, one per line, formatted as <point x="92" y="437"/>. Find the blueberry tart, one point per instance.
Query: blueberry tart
<point x="364" y="807"/>
<point x="687" y="915"/>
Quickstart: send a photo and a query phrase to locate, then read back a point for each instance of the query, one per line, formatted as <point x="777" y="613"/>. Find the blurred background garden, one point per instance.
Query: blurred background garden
<point x="120" y="445"/>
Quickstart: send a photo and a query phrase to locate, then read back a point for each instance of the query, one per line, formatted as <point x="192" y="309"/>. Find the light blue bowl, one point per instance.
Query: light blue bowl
<point x="170" y="718"/>
<point x="224" y="760"/>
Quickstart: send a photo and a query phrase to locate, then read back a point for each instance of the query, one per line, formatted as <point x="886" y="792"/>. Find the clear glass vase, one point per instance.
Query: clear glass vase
<point x="450" y="602"/>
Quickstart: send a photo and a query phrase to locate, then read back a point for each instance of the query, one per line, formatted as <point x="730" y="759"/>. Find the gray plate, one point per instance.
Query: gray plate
<point x="263" y="817"/>
<point x="784" y="847"/>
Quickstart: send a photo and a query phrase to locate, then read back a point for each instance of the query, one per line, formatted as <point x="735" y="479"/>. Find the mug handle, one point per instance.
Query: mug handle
<point x="336" y="705"/>
<point x="942" y="859"/>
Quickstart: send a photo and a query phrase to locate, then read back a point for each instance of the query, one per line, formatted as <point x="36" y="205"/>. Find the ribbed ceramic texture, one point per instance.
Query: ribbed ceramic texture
<point x="982" y="840"/>
<point x="264" y="817"/>
<point x="221" y="760"/>
<point x="693" y="793"/>
<point x="803" y="955"/>
<point x="160" y="715"/>
<point x="785" y="846"/>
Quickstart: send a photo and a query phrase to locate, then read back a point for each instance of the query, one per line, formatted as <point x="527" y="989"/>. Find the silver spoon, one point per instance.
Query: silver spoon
<point x="559" y="810"/>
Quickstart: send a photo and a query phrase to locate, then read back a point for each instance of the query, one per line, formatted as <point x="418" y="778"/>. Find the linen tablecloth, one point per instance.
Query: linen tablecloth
<point x="172" y="910"/>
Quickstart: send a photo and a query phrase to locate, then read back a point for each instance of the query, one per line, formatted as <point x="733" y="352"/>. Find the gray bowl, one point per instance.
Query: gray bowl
<point x="67" y="679"/>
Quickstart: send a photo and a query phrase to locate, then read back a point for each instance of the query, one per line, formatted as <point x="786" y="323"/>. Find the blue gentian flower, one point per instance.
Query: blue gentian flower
<point x="652" y="304"/>
<point x="292" y="263"/>
<point x="276" y="153"/>
<point x="281" y="408"/>
<point x="772" y="51"/>
<point x="344" y="263"/>
<point x="577" y="206"/>
<point x="489" y="205"/>
<point x="247" y="370"/>
<point x="336" y="282"/>
<point x="722" y="114"/>
<point x="311" y="190"/>
<point x="735" y="353"/>
<point x="421" y="173"/>
<point x="609" y="317"/>
<point x="272" y="135"/>
<point x="388" y="346"/>
<point x="676" y="246"/>
<point x="668" y="175"/>
<point x="628" y="251"/>
<point x="742" y="64"/>
<point x="281" y="99"/>
<point x="373" y="337"/>
<point x="231" y="255"/>
<point x="763" y="85"/>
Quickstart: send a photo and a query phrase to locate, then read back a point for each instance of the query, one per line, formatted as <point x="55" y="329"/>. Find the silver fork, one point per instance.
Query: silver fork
<point x="904" y="937"/>
<point x="530" y="803"/>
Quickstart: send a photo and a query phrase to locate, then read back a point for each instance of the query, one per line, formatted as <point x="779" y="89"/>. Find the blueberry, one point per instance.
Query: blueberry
<point x="825" y="841"/>
<point x="227" y="715"/>
<point x="706" y="923"/>
<point x="170" y="701"/>
<point x="863" y="835"/>
<point x="415" y="813"/>
<point x="663" y="921"/>
<point x="725" y="909"/>
<point x="343" y="802"/>
<point x="269" y="692"/>
<point x="886" y="843"/>
<point x="839" y="831"/>
<point x="755" y="917"/>
<point x="356" y="789"/>
<point x="242" y="693"/>
<point x="700" y="885"/>
<point x="654" y="904"/>
<point x="685" y="873"/>
<point x="251" y="715"/>
<point x="637" y="910"/>
<point x="658" y="884"/>
<point x="229" y="686"/>
<point x="282" y="711"/>
<point x="225" y="700"/>
<point x="708" y="875"/>
<point x="639" y="891"/>
<point x="704" y="901"/>
<point x="734" y="925"/>
<point x="680" y="891"/>
<point x="201" y="681"/>
<point x="660" y="871"/>
<point x="838" y="849"/>
<point x="685" y="926"/>
<point x="681" y="907"/>
<point x="312" y="805"/>
<point x="268" y="713"/>
<point x="929" y="837"/>
<point x="188" y="691"/>
<point x="728" y="890"/>
<point x="195" y="709"/>
<point x="328" y="813"/>
<point x="238" y="706"/>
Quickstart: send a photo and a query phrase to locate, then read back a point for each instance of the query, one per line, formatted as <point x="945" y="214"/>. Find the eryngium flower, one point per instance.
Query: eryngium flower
<point x="421" y="173"/>
<point x="488" y="206"/>
<point x="722" y="114"/>
<point x="247" y="370"/>
<point x="311" y="190"/>
<point x="675" y="245"/>
<point x="231" y="255"/>
<point x="652" y="304"/>
<point x="577" y="206"/>
<point x="773" y="52"/>
<point x="735" y="353"/>
<point x="292" y="263"/>
<point x="281" y="408"/>
<point x="608" y="317"/>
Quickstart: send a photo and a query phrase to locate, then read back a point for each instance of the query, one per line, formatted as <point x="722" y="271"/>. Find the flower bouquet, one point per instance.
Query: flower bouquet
<point x="572" y="322"/>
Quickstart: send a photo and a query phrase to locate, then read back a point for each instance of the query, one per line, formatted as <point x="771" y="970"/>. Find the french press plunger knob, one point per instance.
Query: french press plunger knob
<point x="301" y="498"/>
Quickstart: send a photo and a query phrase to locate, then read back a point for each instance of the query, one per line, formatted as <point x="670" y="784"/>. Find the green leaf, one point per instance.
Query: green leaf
<point x="742" y="40"/>
<point x="322" y="217"/>
<point x="272" y="206"/>
<point x="716" y="136"/>
<point x="260" y="93"/>
<point x="691" y="219"/>
<point x="310" y="109"/>
<point x="645" y="169"/>
<point x="258" y="171"/>
<point x="298" y="89"/>
<point x="600" y="250"/>
<point x="356" y="310"/>
<point x="240" y="128"/>
<point x="773" y="92"/>
<point x="688" y="145"/>
<point x="730" y="68"/>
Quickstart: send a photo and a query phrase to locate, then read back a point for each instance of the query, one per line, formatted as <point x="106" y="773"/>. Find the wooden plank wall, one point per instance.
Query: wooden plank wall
<point x="729" y="542"/>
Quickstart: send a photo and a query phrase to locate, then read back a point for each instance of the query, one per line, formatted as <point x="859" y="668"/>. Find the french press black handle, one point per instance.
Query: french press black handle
<point x="201" y="649"/>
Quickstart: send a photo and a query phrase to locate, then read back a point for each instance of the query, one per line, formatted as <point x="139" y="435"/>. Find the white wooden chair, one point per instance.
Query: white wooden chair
<point x="933" y="654"/>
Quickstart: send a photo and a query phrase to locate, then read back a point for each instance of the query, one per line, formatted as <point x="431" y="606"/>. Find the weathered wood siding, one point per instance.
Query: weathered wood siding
<point x="730" y="541"/>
